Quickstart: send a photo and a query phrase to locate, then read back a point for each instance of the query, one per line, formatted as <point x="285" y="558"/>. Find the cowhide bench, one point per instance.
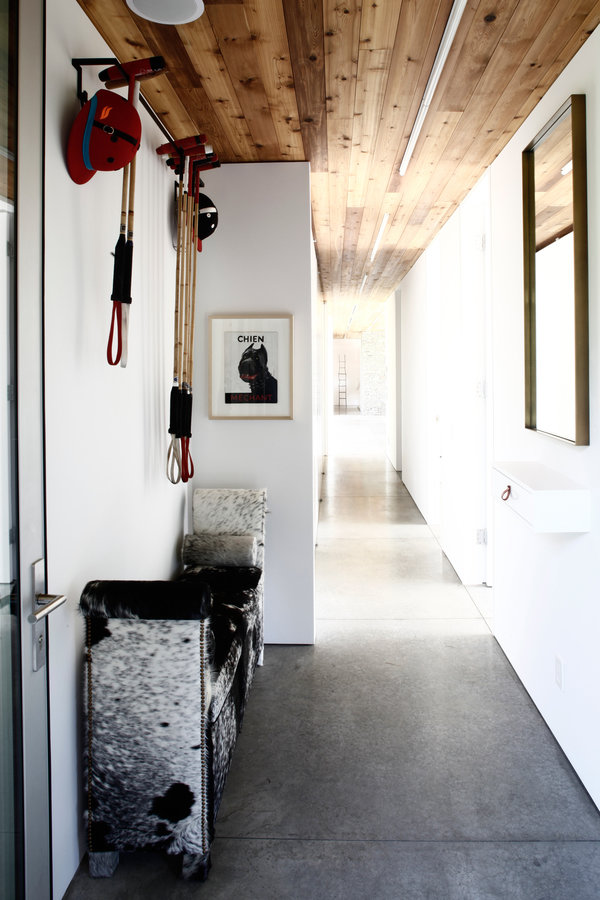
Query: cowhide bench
<point x="169" y="665"/>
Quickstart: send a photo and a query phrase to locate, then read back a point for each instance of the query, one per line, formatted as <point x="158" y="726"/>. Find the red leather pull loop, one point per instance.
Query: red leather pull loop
<point x="115" y="322"/>
<point x="506" y="492"/>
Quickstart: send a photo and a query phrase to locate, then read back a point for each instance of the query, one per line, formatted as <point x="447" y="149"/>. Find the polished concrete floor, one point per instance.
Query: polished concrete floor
<point x="400" y="757"/>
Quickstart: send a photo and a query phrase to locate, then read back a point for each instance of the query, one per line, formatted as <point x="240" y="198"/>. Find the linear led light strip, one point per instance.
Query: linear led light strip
<point x="436" y="70"/>
<point x="379" y="236"/>
<point x="351" y="316"/>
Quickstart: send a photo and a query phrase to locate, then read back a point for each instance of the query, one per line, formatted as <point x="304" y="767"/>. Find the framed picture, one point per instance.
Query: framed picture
<point x="251" y="362"/>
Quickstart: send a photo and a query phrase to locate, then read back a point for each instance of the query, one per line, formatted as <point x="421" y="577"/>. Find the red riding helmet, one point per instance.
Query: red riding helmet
<point x="105" y="136"/>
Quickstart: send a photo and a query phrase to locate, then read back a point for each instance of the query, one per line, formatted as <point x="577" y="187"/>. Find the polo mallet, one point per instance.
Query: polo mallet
<point x="192" y="151"/>
<point x="176" y="148"/>
<point x="117" y="76"/>
<point x="174" y="451"/>
<point x="203" y="222"/>
<point x="187" y="465"/>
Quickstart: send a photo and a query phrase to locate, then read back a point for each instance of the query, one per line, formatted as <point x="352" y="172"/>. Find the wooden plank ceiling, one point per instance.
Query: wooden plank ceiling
<point x="339" y="84"/>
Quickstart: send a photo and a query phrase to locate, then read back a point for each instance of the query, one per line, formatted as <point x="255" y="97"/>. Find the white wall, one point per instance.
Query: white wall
<point x="545" y="586"/>
<point x="463" y="307"/>
<point x="321" y="348"/>
<point x="393" y="432"/>
<point x="419" y="362"/>
<point x="259" y="261"/>
<point x="444" y="311"/>
<point x="111" y="511"/>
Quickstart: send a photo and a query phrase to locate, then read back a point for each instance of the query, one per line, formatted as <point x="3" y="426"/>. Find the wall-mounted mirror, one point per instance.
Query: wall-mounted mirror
<point x="556" y="277"/>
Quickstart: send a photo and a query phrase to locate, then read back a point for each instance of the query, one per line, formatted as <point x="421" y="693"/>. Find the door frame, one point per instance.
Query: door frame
<point x="30" y="425"/>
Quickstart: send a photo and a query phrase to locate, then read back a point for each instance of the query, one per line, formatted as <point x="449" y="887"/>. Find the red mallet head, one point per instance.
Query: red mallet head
<point x="138" y="69"/>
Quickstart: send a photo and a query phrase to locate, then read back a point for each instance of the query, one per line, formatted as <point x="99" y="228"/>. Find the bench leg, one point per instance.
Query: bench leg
<point x="103" y="865"/>
<point x="195" y="866"/>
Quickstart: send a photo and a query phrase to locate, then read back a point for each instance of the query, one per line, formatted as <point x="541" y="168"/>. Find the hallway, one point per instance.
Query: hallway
<point x="400" y="757"/>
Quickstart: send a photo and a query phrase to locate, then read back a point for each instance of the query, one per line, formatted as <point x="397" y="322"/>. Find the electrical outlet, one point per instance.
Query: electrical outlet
<point x="558" y="672"/>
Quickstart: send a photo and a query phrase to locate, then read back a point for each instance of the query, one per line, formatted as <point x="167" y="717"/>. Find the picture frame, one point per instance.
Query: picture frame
<point x="251" y="366"/>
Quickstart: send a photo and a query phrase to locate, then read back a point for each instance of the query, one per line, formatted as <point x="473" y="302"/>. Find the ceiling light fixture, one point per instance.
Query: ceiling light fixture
<point x="379" y="236"/>
<point x="173" y="12"/>
<point x="568" y="167"/>
<point x="362" y="285"/>
<point x="436" y="70"/>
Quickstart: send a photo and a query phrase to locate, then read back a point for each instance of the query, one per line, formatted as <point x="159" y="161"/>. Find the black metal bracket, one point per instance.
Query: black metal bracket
<point x="89" y="61"/>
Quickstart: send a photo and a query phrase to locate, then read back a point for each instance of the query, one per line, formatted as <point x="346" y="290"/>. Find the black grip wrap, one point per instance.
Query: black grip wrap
<point x="175" y="412"/>
<point x="186" y="414"/>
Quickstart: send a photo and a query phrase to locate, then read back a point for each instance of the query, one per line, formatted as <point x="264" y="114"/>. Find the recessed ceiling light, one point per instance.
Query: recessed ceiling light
<point x="167" y="12"/>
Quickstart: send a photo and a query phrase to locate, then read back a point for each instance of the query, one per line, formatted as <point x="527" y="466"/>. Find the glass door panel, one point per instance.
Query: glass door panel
<point x="11" y="876"/>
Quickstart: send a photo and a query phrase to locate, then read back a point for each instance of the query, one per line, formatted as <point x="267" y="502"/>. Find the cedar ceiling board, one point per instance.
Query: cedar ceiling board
<point x="506" y="115"/>
<point x="405" y="85"/>
<point x="187" y="83"/>
<point x="117" y="26"/>
<point x="373" y="66"/>
<point x="397" y="182"/>
<point x="378" y="24"/>
<point x="230" y="25"/>
<point x="461" y="142"/>
<point x="465" y="174"/>
<point x="550" y="44"/>
<point x="477" y="49"/>
<point x="378" y="27"/>
<point x="428" y="37"/>
<point x="440" y="127"/>
<point x="304" y="25"/>
<point x="388" y="206"/>
<point x="203" y="49"/>
<point x="342" y="29"/>
<point x="580" y="21"/>
<point x="370" y="88"/>
<point x="267" y="25"/>
<point x="470" y="64"/>
<point x="351" y="230"/>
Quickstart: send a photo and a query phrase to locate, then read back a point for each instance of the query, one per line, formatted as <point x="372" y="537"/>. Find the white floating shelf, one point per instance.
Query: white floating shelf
<point x="548" y="501"/>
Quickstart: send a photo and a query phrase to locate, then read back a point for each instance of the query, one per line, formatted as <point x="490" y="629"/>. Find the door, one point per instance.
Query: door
<point x="25" y="810"/>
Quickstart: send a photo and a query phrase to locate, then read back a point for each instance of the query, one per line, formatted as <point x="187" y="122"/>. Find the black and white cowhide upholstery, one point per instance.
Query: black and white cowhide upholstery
<point x="168" y="671"/>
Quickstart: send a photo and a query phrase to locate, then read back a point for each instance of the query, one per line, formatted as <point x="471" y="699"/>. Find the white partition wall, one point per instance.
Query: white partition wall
<point x="111" y="512"/>
<point x="259" y="260"/>
<point x="546" y="583"/>
<point x="546" y="587"/>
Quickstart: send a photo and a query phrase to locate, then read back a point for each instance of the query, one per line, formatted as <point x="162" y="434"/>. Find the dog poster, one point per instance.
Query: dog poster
<point x="251" y="364"/>
<point x="251" y="367"/>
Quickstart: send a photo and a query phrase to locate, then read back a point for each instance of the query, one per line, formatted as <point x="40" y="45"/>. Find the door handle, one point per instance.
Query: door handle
<point x="46" y="604"/>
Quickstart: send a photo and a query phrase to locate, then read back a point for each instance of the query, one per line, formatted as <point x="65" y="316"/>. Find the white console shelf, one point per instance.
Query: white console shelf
<point x="548" y="501"/>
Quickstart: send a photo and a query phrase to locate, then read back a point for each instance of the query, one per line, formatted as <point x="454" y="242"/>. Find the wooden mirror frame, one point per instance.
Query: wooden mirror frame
<point x="576" y="103"/>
